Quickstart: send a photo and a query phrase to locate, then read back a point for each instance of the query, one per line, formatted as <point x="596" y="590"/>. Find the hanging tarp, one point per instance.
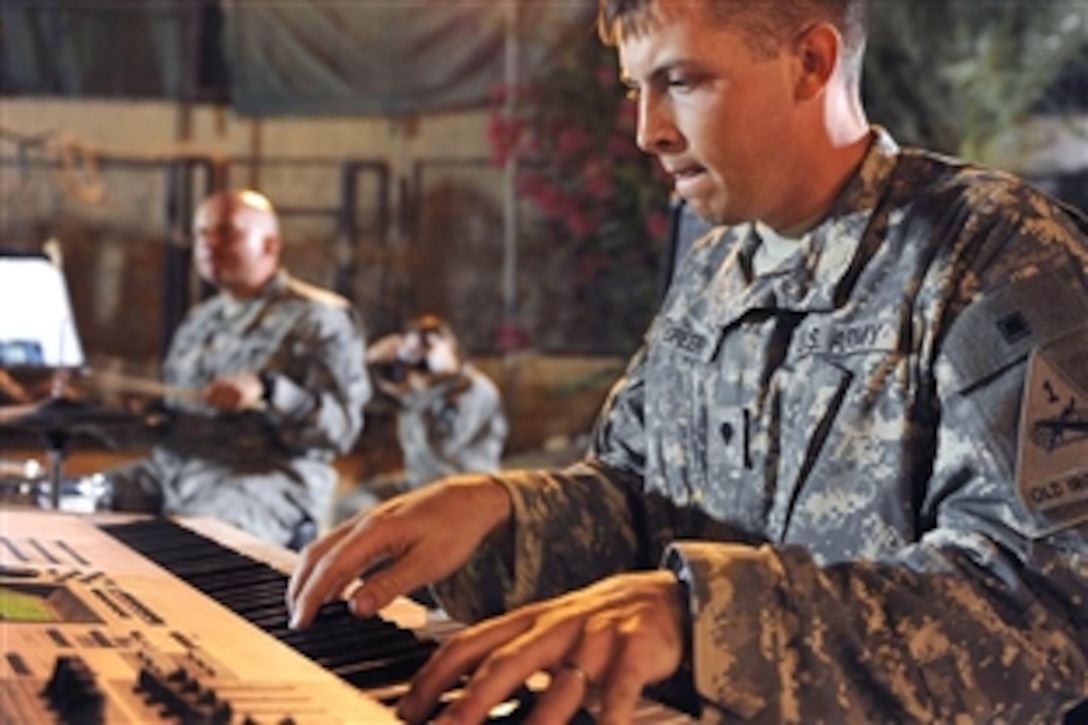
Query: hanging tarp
<point x="88" y="48"/>
<point x="304" y="57"/>
<point x="389" y="57"/>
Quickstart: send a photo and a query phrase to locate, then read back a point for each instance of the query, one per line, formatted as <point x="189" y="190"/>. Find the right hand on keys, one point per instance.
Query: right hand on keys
<point x="422" y="536"/>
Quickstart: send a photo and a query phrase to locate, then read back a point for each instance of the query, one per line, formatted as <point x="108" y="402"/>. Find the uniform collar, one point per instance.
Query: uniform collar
<point x="829" y="255"/>
<point x="235" y="308"/>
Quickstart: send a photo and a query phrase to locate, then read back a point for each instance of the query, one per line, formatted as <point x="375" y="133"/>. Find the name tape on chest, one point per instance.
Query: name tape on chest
<point x="811" y="339"/>
<point x="843" y="339"/>
<point x="1052" y="464"/>
<point x="689" y="342"/>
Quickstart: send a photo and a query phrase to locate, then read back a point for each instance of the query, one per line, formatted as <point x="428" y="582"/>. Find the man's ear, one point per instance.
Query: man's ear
<point x="272" y="245"/>
<point x="818" y="49"/>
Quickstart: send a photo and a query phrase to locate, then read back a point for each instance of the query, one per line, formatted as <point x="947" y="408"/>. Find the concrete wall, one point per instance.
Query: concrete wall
<point x="153" y="128"/>
<point x="71" y="136"/>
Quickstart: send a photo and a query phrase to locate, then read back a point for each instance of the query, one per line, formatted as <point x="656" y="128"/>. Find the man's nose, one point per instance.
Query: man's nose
<point x="657" y="132"/>
<point x="211" y="238"/>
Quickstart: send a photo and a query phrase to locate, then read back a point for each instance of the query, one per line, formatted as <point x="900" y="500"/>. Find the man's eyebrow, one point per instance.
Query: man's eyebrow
<point x="656" y="75"/>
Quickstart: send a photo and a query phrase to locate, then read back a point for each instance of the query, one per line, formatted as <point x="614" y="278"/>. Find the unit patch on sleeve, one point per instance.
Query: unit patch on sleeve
<point x="1052" y="461"/>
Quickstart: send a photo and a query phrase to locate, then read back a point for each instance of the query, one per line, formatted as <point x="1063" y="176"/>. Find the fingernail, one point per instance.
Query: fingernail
<point x="408" y="712"/>
<point x="363" y="604"/>
<point x="294" y="621"/>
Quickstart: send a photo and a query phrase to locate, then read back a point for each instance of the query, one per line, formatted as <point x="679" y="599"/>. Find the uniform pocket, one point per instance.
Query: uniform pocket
<point x="799" y="414"/>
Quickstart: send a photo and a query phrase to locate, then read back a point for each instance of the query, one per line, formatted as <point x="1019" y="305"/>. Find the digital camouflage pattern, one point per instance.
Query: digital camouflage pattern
<point x="456" y="426"/>
<point x="827" y="452"/>
<point x="267" y="470"/>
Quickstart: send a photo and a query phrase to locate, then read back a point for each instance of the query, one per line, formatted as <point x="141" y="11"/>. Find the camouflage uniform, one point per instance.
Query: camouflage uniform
<point x="832" y="455"/>
<point x="264" y="471"/>
<point x="455" y="426"/>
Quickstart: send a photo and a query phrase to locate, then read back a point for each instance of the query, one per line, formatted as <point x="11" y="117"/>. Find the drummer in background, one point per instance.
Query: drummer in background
<point x="279" y="382"/>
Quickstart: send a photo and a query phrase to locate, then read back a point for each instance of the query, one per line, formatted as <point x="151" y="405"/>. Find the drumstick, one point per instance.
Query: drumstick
<point x="11" y="413"/>
<point x="121" y="383"/>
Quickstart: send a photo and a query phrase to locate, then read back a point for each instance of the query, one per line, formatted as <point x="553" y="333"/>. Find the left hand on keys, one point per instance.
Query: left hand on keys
<point x="619" y="634"/>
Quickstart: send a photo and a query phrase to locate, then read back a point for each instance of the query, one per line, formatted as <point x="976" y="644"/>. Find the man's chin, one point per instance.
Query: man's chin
<point x="717" y="212"/>
<point x="706" y="211"/>
<point x="217" y="276"/>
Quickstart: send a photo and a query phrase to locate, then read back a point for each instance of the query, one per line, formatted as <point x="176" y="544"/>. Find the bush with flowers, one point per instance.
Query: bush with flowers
<point x="601" y="205"/>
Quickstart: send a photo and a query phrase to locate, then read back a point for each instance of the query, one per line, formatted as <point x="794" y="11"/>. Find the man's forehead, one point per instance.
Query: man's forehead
<point x="680" y="36"/>
<point x="653" y="15"/>
<point x="225" y="211"/>
<point x="232" y="203"/>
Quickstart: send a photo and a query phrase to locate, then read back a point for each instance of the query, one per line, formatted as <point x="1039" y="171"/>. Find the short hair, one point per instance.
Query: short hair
<point x="250" y="199"/>
<point x="429" y="325"/>
<point x="765" y="23"/>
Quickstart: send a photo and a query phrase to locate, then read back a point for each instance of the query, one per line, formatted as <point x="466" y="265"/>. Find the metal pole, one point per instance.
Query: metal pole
<point x="177" y="262"/>
<point x="510" y="200"/>
<point x="55" y="456"/>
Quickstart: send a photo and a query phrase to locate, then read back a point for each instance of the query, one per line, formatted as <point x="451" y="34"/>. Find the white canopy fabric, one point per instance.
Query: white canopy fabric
<point x="381" y="57"/>
<point x="312" y="57"/>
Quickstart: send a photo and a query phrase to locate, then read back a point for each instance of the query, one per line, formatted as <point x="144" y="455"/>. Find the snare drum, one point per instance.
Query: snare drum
<point x="27" y="484"/>
<point x="18" y="482"/>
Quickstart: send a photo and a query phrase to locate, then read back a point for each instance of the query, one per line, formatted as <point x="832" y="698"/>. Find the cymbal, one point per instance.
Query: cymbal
<point x="60" y="415"/>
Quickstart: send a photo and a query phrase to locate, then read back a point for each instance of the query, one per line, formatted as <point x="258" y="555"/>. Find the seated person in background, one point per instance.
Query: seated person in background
<point x="449" y="414"/>
<point x="843" y="481"/>
<point x="277" y="372"/>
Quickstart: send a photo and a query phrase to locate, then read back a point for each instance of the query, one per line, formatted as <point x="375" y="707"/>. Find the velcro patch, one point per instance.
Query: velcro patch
<point x="839" y="339"/>
<point x="1005" y="326"/>
<point x="687" y="337"/>
<point x="1052" y="460"/>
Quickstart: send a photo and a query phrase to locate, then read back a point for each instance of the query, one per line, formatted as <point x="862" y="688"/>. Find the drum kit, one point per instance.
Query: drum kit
<point x="57" y="421"/>
<point x="40" y="349"/>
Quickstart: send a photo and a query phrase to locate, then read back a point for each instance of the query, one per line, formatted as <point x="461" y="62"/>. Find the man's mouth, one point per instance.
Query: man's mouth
<point x="685" y="176"/>
<point x="684" y="171"/>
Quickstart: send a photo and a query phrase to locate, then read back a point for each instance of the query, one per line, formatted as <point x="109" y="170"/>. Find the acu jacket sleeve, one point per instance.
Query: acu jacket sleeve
<point x="571" y="527"/>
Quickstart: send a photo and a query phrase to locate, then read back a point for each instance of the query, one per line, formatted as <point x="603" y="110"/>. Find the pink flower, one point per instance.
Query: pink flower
<point x="573" y="140"/>
<point x="576" y="133"/>
<point x="627" y="117"/>
<point x="657" y="225"/>
<point x="598" y="178"/>
<point x="503" y="133"/>
<point x="622" y="146"/>
<point x="580" y="224"/>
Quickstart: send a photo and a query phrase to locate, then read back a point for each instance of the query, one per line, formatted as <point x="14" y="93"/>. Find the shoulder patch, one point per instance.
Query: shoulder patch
<point x="1052" y="460"/>
<point x="1003" y="327"/>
